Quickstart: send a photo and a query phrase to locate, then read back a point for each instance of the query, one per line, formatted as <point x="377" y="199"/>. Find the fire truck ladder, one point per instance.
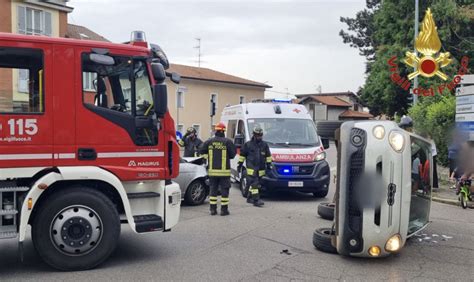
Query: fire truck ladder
<point x="9" y="209"/>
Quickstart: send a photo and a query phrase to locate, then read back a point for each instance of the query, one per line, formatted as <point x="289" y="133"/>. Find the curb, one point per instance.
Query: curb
<point x="445" y="201"/>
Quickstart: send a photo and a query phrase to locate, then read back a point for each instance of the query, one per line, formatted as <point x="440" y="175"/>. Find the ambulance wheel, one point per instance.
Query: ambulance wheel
<point x="75" y="228"/>
<point x="321" y="194"/>
<point x="322" y="240"/>
<point x="243" y="184"/>
<point x="326" y="210"/>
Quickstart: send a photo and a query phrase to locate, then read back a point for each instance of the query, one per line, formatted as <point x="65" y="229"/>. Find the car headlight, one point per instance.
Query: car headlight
<point x="394" y="243"/>
<point x="396" y="140"/>
<point x="374" y="251"/>
<point x="319" y="157"/>
<point x="379" y="132"/>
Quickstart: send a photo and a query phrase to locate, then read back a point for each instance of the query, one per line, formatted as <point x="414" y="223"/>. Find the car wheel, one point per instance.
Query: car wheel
<point x="322" y="240"/>
<point x="243" y="184"/>
<point x="196" y="193"/>
<point x="321" y="194"/>
<point x="77" y="230"/>
<point x="326" y="210"/>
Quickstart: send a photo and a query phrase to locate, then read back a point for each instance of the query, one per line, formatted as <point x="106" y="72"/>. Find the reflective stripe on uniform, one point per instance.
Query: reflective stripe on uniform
<point x="211" y="157"/>
<point x="181" y="142"/>
<point x="206" y="156"/>
<point x="241" y="159"/>
<point x="250" y="171"/>
<point x="224" y="201"/>
<point x="212" y="200"/>
<point x="219" y="172"/>
<point x="224" y="160"/>
<point x="261" y="172"/>
<point x="269" y="159"/>
<point x="253" y="191"/>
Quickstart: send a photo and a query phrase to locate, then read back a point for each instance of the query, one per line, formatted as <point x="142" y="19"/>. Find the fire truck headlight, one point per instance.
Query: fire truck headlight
<point x="393" y="244"/>
<point x="396" y="140"/>
<point x="319" y="157"/>
<point x="374" y="251"/>
<point x="379" y="132"/>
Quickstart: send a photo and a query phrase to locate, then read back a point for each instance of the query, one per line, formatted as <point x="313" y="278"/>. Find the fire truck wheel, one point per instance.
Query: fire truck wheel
<point x="76" y="229"/>
<point x="326" y="210"/>
<point x="196" y="193"/>
<point x="243" y="184"/>
<point x="322" y="240"/>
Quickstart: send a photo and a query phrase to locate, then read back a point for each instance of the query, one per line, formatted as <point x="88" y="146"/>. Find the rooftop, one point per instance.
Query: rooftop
<point x="327" y="100"/>
<point x="83" y="33"/>
<point x="355" y="114"/>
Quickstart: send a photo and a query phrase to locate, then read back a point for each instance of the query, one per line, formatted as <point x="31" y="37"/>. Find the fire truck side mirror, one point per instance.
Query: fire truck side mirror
<point x="102" y="59"/>
<point x="160" y="99"/>
<point x="176" y="78"/>
<point x="158" y="72"/>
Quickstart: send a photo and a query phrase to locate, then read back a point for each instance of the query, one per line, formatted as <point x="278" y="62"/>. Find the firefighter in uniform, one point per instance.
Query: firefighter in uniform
<point x="219" y="151"/>
<point x="191" y="143"/>
<point x="257" y="156"/>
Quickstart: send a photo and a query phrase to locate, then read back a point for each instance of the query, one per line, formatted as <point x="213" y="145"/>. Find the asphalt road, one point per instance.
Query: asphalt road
<point x="249" y="244"/>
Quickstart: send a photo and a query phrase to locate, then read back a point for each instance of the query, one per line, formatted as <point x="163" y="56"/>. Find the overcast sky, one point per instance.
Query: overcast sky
<point x="292" y="45"/>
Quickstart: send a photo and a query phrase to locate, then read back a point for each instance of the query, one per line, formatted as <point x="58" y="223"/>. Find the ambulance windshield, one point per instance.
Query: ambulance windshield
<point x="278" y="132"/>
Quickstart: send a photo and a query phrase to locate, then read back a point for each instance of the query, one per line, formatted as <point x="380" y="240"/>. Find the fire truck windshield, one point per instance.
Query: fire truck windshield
<point x="124" y="86"/>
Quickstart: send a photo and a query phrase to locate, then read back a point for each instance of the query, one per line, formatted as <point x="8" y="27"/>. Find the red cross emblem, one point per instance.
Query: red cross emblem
<point x="296" y="111"/>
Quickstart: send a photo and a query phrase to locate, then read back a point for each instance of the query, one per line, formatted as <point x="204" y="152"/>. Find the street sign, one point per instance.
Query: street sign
<point x="463" y="100"/>
<point x="467" y="79"/>
<point x="465" y="90"/>
<point x="464" y="109"/>
<point x="464" y="117"/>
<point x="465" y="126"/>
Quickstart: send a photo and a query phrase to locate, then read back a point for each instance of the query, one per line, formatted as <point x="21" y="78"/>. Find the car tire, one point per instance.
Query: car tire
<point x="243" y="184"/>
<point x="321" y="194"/>
<point x="196" y="193"/>
<point x="322" y="240"/>
<point x="326" y="210"/>
<point x="86" y="215"/>
<point x="327" y="129"/>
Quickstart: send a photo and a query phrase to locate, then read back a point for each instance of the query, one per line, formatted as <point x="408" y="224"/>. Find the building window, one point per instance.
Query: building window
<point x="241" y="99"/>
<point x="88" y="80"/>
<point x="197" y="127"/>
<point x="34" y="22"/>
<point x="180" y="98"/>
<point x="28" y="95"/>
<point x="180" y="128"/>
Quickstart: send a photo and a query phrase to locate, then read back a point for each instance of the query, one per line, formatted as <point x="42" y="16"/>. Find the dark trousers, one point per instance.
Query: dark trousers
<point x="452" y="166"/>
<point x="254" y="186"/>
<point x="216" y="182"/>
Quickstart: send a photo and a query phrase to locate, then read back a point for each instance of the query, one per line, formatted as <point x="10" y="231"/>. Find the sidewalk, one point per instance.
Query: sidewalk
<point x="443" y="194"/>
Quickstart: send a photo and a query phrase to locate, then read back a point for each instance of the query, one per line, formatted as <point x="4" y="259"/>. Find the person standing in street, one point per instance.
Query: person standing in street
<point x="256" y="154"/>
<point x="219" y="151"/>
<point x="191" y="143"/>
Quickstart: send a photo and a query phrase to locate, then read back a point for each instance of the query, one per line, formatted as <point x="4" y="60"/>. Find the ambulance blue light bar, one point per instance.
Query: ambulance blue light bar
<point x="277" y="100"/>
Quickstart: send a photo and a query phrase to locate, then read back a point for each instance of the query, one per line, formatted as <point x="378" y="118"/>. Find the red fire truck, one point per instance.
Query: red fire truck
<point x="86" y="143"/>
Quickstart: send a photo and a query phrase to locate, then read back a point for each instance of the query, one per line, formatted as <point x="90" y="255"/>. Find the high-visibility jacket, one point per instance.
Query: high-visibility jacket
<point x="191" y="146"/>
<point x="256" y="155"/>
<point x="218" y="151"/>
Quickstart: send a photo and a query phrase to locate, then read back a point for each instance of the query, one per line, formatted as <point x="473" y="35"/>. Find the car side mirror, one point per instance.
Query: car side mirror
<point x="325" y="143"/>
<point x="239" y="140"/>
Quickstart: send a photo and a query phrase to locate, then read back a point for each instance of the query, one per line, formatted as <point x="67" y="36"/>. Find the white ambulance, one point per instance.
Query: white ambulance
<point x="297" y="151"/>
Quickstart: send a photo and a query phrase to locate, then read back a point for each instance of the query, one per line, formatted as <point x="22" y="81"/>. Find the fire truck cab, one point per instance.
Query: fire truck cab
<point x="86" y="143"/>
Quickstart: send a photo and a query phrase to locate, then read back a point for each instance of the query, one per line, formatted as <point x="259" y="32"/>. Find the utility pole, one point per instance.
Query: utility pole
<point x="415" y="82"/>
<point x="199" y="50"/>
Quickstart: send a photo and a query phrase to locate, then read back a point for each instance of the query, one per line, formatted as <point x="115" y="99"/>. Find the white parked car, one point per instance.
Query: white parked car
<point x="193" y="180"/>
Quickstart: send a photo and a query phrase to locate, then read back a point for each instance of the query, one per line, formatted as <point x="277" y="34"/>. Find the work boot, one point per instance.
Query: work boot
<point x="258" y="203"/>
<point x="224" y="210"/>
<point x="249" y="200"/>
<point x="213" y="209"/>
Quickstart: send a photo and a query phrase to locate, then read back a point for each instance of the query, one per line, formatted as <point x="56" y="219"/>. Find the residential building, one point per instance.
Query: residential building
<point x="201" y="85"/>
<point x="334" y="106"/>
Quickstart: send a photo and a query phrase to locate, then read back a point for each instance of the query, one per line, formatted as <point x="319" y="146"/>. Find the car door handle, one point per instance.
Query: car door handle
<point x="87" y="154"/>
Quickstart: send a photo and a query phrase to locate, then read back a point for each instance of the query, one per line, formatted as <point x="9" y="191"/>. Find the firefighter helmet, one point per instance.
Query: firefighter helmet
<point x="191" y="130"/>
<point x="219" y="127"/>
<point x="258" y="131"/>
